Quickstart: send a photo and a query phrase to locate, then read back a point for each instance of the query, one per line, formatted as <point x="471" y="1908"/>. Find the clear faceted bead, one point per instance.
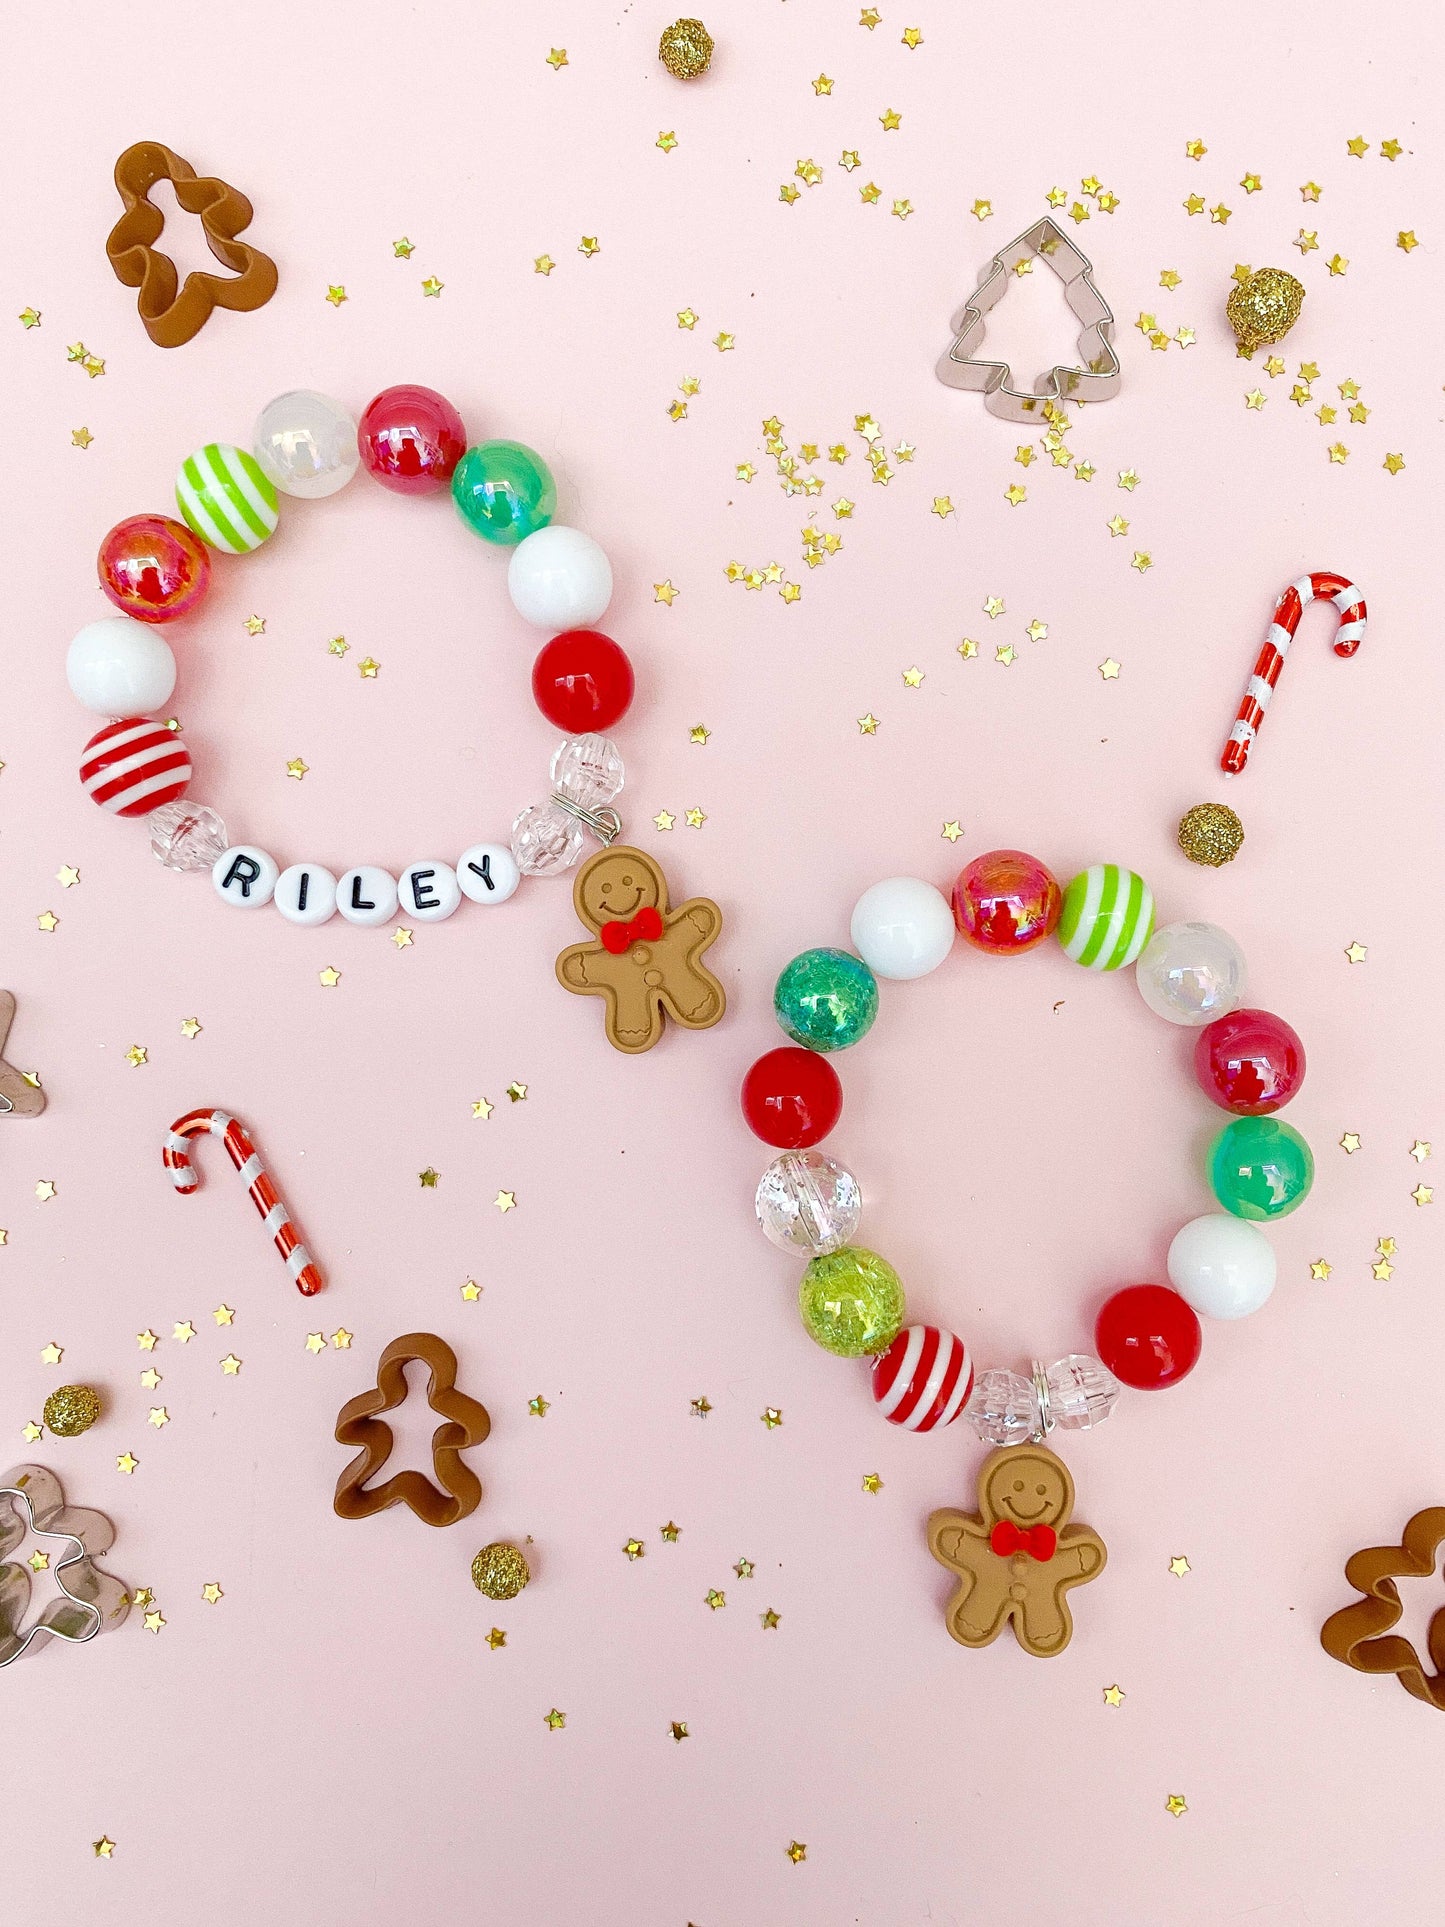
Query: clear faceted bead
<point x="545" y="840"/>
<point x="1003" y="1408"/>
<point x="588" y="769"/>
<point x="807" y="1202"/>
<point x="187" y="836"/>
<point x="1081" y="1392"/>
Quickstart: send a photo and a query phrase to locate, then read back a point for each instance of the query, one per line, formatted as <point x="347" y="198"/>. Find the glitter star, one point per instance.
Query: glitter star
<point x="903" y="209"/>
<point x="150" y="1378"/>
<point x="1141" y="560"/>
<point x="1423" y="1194"/>
<point x="428" y="1179"/>
<point x="126" y="1462"/>
<point x="686" y="318"/>
<point x="634" y="1549"/>
<point x="1350" y="1143"/>
<point x="872" y="1482"/>
<point x="1311" y="191"/>
<point x="1391" y="149"/>
<point x="496" y="1638"/>
<point x="48" y="922"/>
<point x="1337" y="264"/>
<point x="1179" y="1565"/>
<point x="1306" y="239"/>
<point x="664" y="820"/>
<point x="52" y="1354"/>
<point x="912" y="37"/>
<point x="471" y="1291"/>
<point x="147" y="1340"/>
<point x="700" y="1407"/>
<point x="1251" y="183"/>
<point x="678" y="1730"/>
<point x="337" y="646"/>
<point x="212" y="1593"/>
<point x="1117" y="525"/>
<point x="403" y="249"/>
<point x="942" y="506"/>
<point x="890" y="121"/>
<point x="1084" y="471"/>
<point x="1005" y="653"/>
<point x="103" y="1848"/>
<point x="744" y="1568"/>
<point x="1384" y="1271"/>
<point x="1394" y="463"/>
<point x="81" y="437"/>
<point x="1185" y="337"/>
<point x="1386" y="1247"/>
<point x="402" y="937"/>
<point x="297" y="768"/>
<point x="191" y="1028"/>
<point x="797" y="1851"/>
<point x="1194" y="204"/>
<point x="543" y="264"/>
<point x="913" y="678"/>
<point x="29" y="318"/>
<point x="982" y="210"/>
<point x="694" y="818"/>
<point x="1169" y="278"/>
<point x="1015" y="494"/>
<point x="46" y="1189"/>
<point x="538" y="1406"/>
<point x="666" y="141"/>
<point x="557" y="59"/>
<point x="184" y="1332"/>
<point x="1056" y="196"/>
<point x="328" y="978"/>
<point x="136" y="1056"/>
<point x="368" y="668"/>
<point x="669" y="1533"/>
<point x="315" y="1342"/>
<point x="230" y="1365"/>
<point x="1176" y="1804"/>
<point x="1220" y="214"/>
<point x="787" y="192"/>
<point x="868" y="725"/>
<point x="664" y="592"/>
<point x="1129" y="479"/>
<point x="714" y="1600"/>
<point x="771" y="1417"/>
<point x="1109" y="669"/>
<point x="1320" y="1270"/>
<point x="39" y="1561"/>
<point x="336" y="294"/>
<point x="93" y="366"/>
<point x="952" y="830"/>
<point x="723" y="343"/>
<point x="770" y="1620"/>
<point x="1358" y="147"/>
<point x="1339" y="453"/>
<point x="505" y="1201"/>
<point x="555" y="1720"/>
<point x="823" y="84"/>
<point x="31" y="1432"/>
<point x="224" y="1315"/>
<point x="1420" y="1150"/>
<point x="589" y="245"/>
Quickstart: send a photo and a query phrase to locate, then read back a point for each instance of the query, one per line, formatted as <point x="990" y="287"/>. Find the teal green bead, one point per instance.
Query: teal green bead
<point x="1260" y="1167"/>
<point x="826" y="999"/>
<point x="851" y="1302"/>
<point x="504" y="492"/>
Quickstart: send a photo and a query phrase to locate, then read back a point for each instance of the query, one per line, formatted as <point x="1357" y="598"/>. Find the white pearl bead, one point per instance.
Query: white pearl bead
<point x="366" y="895"/>
<point x="560" y="578"/>
<point x="307" y="443"/>
<point x="1222" y="1265"/>
<point x="306" y="894"/>
<point x="902" y="928"/>
<point x="429" y="890"/>
<point x="1191" y="973"/>
<point x="245" y="876"/>
<point x="120" y="667"/>
<point x="488" y="873"/>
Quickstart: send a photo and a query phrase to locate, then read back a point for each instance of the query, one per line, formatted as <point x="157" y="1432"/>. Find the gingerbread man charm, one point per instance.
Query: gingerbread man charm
<point x="645" y="960"/>
<point x="1017" y="1557"/>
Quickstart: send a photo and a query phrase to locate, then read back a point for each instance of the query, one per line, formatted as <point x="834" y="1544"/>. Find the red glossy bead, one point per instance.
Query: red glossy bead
<point x="792" y="1097"/>
<point x="1148" y="1337"/>
<point x="1249" y="1061"/>
<point x="411" y="438"/>
<point x="1006" y="901"/>
<point x="153" y="568"/>
<point x="582" y="681"/>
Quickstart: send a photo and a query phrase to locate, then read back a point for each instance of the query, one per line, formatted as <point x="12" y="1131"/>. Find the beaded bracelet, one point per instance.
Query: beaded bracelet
<point x="1147" y="1336"/>
<point x="155" y="570"/>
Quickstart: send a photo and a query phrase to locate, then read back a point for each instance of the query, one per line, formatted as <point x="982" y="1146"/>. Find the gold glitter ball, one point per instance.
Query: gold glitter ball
<point x="685" y="49"/>
<point x="1210" y="833"/>
<point x="71" y="1410"/>
<point x="1264" y="307"/>
<point x="499" y="1571"/>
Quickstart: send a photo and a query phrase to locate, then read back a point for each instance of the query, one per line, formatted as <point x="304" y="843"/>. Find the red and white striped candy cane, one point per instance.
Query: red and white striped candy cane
<point x="264" y="1195"/>
<point x="1322" y="586"/>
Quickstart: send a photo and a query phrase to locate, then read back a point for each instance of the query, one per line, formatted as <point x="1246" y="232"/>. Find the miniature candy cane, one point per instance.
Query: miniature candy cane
<point x="263" y="1193"/>
<point x="1319" y="587"/>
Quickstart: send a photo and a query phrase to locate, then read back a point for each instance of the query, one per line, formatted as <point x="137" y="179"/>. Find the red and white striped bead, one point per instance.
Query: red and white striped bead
<point x="133" y="766"/>
<point x="1322" y="586"/>
<point x="923" y="1379"/>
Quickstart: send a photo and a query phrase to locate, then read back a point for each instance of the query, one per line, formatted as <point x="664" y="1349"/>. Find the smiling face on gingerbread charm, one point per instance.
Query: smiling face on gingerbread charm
<point x="1030" y="1488"/>
<point x="615" y="885"/>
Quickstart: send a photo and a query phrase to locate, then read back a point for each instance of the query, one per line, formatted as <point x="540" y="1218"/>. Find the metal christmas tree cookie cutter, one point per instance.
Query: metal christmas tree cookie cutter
<point x="89" y="1601"/>
<point x="1096" y="377"/>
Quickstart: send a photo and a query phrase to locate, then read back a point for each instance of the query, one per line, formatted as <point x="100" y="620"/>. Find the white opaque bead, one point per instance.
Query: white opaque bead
<point x="560" y="578"/>
<point x="1191" y="973"/>
<point x="307" y="443"/>
<point x="429" y="890"/>
<point x="488" y="873"/>
<point x="366" y="895"/>
<point x="1221" y="1265"/>
<point x="245" y="876"/>
<point x="902" y="928"/>
<point x="120" y="667"/>
<point x="306" y="894"/>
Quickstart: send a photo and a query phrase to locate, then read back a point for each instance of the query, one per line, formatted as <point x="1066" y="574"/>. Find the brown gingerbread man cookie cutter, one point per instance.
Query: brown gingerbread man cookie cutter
<point x="644" y="959"/>
<point x="171" y="311"/>
<point x="19" y="1097"/>
<point x="1360" y="1635"/>
<point x="458" y="1490"/>
<point x="1018" y="1557"/>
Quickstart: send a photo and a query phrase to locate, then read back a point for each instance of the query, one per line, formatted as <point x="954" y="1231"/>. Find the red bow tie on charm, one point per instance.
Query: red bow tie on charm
<point x="645" y="927"/>
<point x="1038" y="1541"/>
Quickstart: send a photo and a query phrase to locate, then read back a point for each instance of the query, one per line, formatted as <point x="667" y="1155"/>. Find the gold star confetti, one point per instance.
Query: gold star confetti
<point x="869" y="18"/>
<point x="714" y="1600"/>
<point x="872" y="1482"/>
<point x="770" y="1620"/>
<point x="1391" y="149"/>
<point x="127" y="1462"/>
<point x="103" y="1848"/>
<point x="942" y="506"/>
<point x="230" y="1365"/>
<point x="1220" y="215"/>
<point x="868" y="725"/>
<point x="328" y="978"/>
<point x="589" y="245"/>
<point x="1307" y="239"/>
<point x="1251" y="183"/>
<point x="771" y="1417"/>
<point x="787" y="192"/>
<point x="471" y="1291"/>
<point x="1185" y="337"/>
<point x="1350" y="1143"/>
<point x="46" y="1189"/>
<point x="337" y="646"/>
<point x="1423" y="1194"/>
<point x="1194" y="204"/>
<point x="336" y="294"/>
<point x="517" y="1092"/>
<point x="1056" y="196"/>
<point x="555" y="1720"/>
<point x="76" y="351"/>
<point x="982" y="210"/>
<point x="677" y="411"/>
<point x="700" y="1407"/>
<point x="29" y="318"/>
<point x="224" y="1315"/>
<point x="31" y="1432"/>
<point x="1169" y="278"/>
<point x="368" y="668"/>
<point x="136" y="1056"/>
<point x="686" y="318"/>
<point x="428" y="1179"/>
<point x="1394" y="463"/>
<point x="538" y="1406"/>
<point x="913" y="678"/>
<point x="1195" y="150"/>
<point x="48" y="921"/>
<point x="1141" y="560"/>
<point x="744" y="1568"/>
<point x="52" y="1354"/>
<point x="1324" y="414"/>
<point x="432" y="287"/>
<point x="81" y="437"/>
<point x="496" y="1638"/>
<point x="823" y="85"/>
<point x="158" y="1416"/>
<point x="1339" y="453"/>
<point x="315" y="1342"/>
<point x="557" y="59"/>
<point x="1358" y="147"/>
<point x="1015" y="494"/>
<point x="889" y="121"/>
<point x="147" y="1340"/>
<point x="634" y="1549"/>
<point x="1179" y="1565"/>
<point x="150" y="1378"/>
<point x="184" y="1332"/>
<point x="666" y="141"/>
<point x="505" y="1201"/>
<point x="678" y="1730"/>
<point x="212" y="1593"/>
<point x="912" y="37"/>
<point x="1320" y="1270"/>
<point x="1129" y="479"/>
<point x="1109" y="669"/>
<point x="1386" y="1247"/>
<point x="1114" y="1696"/>
<point x="1084" y="471"/>
<point x="797" y="1851"/>
<point x="664" y="592"/>
<point x="1117" y="525"/>
<point x="1420" y="1150"/>
<point x="1311" y="191"/>
<point x="39" y="1561"/>
<point x="1176" y="1804"/>
<point x="1384" y="1271"/>
<point x="543" y="264"/>
<point x="403" y="249"/>
<point x="93" y="366"/>
<point x="1005" y="653"/>
<point x="1337" y="264"/>
<point x="952" y="830"/>
<point x="694" y="818"/>
<point x="1357" y="953"/>
<point x="191" y="1028"/>
<point x="664" y="820"/>
<point x="402" y="937"/>
<point x="723" y="343"/>
<point x="1300" y="394"/>
<point x="142" y="1596"/>
<point x="903" y="209"/>
<point x="669" y="1533"/>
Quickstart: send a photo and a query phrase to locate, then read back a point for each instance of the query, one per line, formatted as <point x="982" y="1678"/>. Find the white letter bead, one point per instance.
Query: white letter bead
<point x="560" y="578"/>
<point x="902" y="928"/>
<point x="488" y="872"/>
<point x="366" y="895"/>
<point x="429" y="890"/>
<point x="306" y="894"/>
<point x="245" y="876"/>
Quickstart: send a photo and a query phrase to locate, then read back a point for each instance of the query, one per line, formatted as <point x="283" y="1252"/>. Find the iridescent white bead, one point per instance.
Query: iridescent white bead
<point x="245" y="876"/>
<point x="560" y="578"/>
<point x="366" y="895"/>
<point x="1222" y="1265"/>
<point x="807" y="1202"/>
<point x="429" y="890"/>
<point x="306" y="894"/>
<point x="120" y="667"/>
<point x="186" y="836"/>
<point x="1191" y="973"/>
<point x="902" y="928"/>
<point x="306" y="443"/>
<point x="488" y="873"/>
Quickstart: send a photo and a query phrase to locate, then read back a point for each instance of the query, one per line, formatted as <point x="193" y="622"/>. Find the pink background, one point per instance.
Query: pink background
<point x="335" y="1741"/>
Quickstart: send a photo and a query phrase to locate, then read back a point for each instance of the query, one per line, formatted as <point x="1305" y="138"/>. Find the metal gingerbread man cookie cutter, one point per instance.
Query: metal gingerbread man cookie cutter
<point x="89" y="1601"/>
<point x="1096" y="376"/>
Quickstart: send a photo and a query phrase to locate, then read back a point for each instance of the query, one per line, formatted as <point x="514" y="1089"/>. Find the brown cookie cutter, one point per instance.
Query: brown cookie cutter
<point x="18" y="1096"/>
<point x="172" y="314"/>
<point x="467" y="1423"/>
<point x="1360" y="1635"/>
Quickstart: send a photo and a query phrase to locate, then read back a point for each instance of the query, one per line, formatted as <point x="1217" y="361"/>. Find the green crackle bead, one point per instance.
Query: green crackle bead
<point x="851" y="1302"/>
<point x="826" y="999"/>
<point x="1260" y="1167"/>
<point x="504" y="492"/>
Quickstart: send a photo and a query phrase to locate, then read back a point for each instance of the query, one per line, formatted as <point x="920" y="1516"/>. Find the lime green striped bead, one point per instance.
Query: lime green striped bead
<point x="1107" y="917"/>
<point x="227" y="498"/>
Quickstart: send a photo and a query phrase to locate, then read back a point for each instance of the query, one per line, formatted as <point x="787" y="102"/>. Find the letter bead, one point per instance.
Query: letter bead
<point x="245" y="876"/>
<point x="366" y="895"/>
<point x="306" y="894"/>
<point x="488" y="873"/>
<point x="429" y="890"/>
